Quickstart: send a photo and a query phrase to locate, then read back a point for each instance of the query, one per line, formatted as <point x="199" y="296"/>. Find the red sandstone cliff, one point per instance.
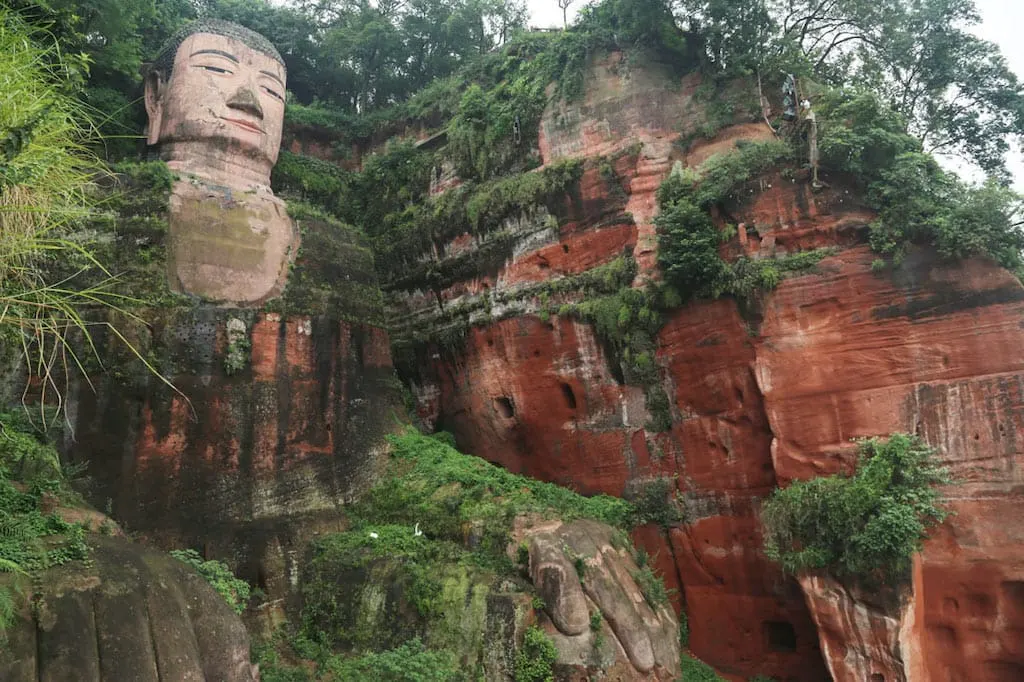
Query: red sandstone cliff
<point x="755" y="401"/>
<point x="931" y="348"/>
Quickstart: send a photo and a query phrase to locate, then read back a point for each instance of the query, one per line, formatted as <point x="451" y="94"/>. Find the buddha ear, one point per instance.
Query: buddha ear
<point x="154" y="104"/>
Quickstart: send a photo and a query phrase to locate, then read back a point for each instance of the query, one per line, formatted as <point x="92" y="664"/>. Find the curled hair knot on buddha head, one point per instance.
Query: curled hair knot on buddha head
<point x="164" y="62"/>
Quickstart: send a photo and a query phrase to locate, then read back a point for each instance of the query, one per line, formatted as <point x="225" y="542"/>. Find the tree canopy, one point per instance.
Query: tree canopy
<point x="953" y="90"/>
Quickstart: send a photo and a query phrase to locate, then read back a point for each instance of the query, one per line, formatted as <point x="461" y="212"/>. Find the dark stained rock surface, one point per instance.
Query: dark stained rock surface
<point x="129" y="614"/>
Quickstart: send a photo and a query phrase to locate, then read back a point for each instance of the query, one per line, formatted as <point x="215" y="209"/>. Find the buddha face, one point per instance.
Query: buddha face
<point x="220" y="94"/>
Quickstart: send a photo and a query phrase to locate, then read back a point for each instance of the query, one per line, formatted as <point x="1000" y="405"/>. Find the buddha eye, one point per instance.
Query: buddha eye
<point x="272" y="93"/>
<point x="215" y="69"/>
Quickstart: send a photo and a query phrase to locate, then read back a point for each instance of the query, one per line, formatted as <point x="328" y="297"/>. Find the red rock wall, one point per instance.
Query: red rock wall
<point x="764" y="399"/>
<point x="538" y="395"/>
<point x="247" y="466"/>
<point x="938" y="350"/>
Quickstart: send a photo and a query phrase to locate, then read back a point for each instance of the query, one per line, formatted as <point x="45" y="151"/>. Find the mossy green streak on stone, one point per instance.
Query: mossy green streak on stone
<point x="333" y="273"/>
<point x="425" y="559"/>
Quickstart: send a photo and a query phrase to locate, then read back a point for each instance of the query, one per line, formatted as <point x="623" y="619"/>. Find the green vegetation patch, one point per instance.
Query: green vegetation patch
<point x="405" y="237"/>
<point x="917" y="202"/>
<point x="433" y="484"/>
<point x="426" y="548"/>
<point x="697" y="671"/>
<point x="333" y="273"/>
<point x="408" y="662"/>
<point x="689" y="240"/>
<point x="32" y="536"/>
<point x="311" y="180"/>
<point x="234" y="590"/>
<point x="627" y="322"/>
<point x="535" y="659"/>
<point x="866" y="526"/>
<point x="127" y="233"/>
<point x="656" y="502"/>
<point x="402" y="584"/>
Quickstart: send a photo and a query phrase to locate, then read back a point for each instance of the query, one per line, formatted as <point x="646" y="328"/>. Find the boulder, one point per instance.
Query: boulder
<point x="128" y="613"/>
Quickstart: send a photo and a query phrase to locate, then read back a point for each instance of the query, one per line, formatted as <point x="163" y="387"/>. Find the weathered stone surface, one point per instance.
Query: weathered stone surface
<point x="859" y="640"/>
<point x="934" y="349"/>
<point x="542" y="397"/>
<point x="248" y="465"/>
<point x="582" y="568"/>
<point x="759" y="396"/>
<point x="131" y="614"/>
<point x="764" y="397"/>
<point x="215" y="102"/>
<point x="555" y="578"/>
<point x="229" y="246"/>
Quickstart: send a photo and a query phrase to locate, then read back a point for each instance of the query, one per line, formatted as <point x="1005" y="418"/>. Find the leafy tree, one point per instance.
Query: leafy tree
<point x="370" y="55"/>
<point x="916" y="201"/>
<point x="953" y="90"/>
<point x="864" y="526"/>
<point x="737" y="37"/>
<point x="564" y="6"/>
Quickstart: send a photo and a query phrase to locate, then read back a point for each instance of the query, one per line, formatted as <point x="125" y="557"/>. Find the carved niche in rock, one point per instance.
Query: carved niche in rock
<point x="215" y="100"/>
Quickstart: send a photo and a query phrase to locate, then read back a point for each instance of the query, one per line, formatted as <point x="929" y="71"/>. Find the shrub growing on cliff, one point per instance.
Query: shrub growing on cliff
<point x="234" y="590"/>
<point x="535" y="658"/>
<point x="688" y="238"/>
<point x="32" y="536"/>
<point x="697" y="671"/>
<point x="864" y="526"/>
<point x="410" y="662"/>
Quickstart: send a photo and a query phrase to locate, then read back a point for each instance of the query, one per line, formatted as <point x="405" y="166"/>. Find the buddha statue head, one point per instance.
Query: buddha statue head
<point x="215" y="99"/>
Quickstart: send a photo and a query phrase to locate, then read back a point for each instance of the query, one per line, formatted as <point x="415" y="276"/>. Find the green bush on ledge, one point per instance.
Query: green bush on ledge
<point x="866" y="526"/>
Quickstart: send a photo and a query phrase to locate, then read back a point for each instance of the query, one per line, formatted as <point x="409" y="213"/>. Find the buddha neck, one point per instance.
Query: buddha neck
<point x="213" y="166"/>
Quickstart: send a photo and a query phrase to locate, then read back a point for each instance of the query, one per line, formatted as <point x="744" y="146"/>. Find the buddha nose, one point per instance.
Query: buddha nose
<point x="245" y="100"/>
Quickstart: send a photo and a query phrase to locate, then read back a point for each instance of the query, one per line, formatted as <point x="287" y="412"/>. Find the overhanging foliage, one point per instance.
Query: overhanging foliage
<point x="865" y="526"/>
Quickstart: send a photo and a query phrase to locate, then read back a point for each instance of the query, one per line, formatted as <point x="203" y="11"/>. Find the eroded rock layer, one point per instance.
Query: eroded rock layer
<point x="248" y="464"/>
<point x="759" y="395"/>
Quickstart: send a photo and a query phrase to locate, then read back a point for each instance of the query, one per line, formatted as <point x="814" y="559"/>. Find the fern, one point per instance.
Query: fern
<point x="8" y="607"/>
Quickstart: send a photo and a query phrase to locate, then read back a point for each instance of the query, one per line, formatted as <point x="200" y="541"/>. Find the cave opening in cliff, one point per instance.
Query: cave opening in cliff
<point x="569" y="395"/>
<point x="780" y="636"/>
<point x="505" y="407"/>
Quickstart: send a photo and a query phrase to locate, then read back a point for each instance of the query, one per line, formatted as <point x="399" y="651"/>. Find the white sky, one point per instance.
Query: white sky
<point x="545" y="13"/>
<point x="1002" y="23"/>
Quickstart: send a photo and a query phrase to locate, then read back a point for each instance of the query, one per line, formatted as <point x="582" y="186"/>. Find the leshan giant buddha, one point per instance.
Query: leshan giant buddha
<point x="215" y="100"/>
